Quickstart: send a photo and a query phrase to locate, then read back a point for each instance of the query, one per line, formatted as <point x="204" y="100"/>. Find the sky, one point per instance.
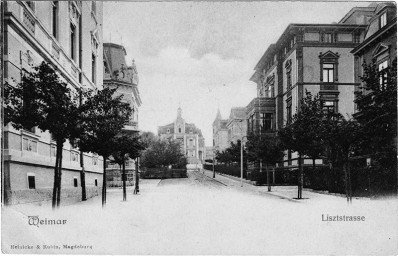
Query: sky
<point x="200" y="55"/>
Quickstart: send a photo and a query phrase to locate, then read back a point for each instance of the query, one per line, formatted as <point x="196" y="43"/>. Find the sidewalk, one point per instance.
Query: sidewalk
<point x="283" y="192"/>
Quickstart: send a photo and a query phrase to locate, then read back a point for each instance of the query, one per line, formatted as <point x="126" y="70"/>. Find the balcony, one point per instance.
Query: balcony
<point x="131" y="126"/>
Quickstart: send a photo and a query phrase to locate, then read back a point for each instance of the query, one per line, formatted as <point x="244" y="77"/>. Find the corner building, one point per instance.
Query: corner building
<point x="308" y="57"/>
<point x="117" y="74"/>
<point x="67" y="35"/>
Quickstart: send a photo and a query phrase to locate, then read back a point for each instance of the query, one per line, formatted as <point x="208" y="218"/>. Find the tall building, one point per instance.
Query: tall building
<point x="220" y="133"/>
<point x="117" y="74"/>
<point x="237" y="124"/>
<point x="308" y="57"/>
<point x="190" y="137"/>
<point x="68" y="35"/>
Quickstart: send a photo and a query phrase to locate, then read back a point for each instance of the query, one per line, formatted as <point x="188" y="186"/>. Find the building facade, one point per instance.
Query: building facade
<point x="220" y="133"/>
<point x="190" y="137"/>
<point x="117" y="74"/>
<point x="68" y="35"/>
<point x="308" y="57"/>
<point x="380" y="42"/>
<point x="237" y="125"/>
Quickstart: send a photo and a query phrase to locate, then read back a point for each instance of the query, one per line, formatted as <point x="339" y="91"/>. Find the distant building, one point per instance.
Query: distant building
<point x="209" y="153"/>
<point x="117" y="74"/>
<point x="190" y="137"/>
<point x="237" y="124"/>
<point x="220" y="133"/>
<point x="68" y="36"/>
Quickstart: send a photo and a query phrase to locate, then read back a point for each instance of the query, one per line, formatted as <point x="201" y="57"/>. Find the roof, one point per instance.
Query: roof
<point x="238" y="113"/>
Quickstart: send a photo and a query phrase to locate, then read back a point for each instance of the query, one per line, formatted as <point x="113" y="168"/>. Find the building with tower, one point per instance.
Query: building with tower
<point x="220" y="133"/>
<point x="190" y="137"/>
<point x="117" y="74"/>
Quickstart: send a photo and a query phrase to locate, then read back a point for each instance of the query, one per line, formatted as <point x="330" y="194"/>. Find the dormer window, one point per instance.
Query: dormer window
<point x="383" y="20"/>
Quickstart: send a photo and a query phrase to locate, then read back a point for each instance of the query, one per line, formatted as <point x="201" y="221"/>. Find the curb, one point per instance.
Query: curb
<point x="213" y="179"/>
<point x="259" y="192"/>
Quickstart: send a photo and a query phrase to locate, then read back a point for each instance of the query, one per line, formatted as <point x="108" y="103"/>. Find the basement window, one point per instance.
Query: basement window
<point x="31" y="181"/>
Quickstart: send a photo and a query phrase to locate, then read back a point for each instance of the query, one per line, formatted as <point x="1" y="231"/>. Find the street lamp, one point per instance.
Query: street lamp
<point x="214" y="172"/>
<point x="241" y="153"/>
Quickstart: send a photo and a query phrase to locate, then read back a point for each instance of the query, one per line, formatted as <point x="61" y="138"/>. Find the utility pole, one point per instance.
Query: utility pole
<point x="241" y="162"/>
<point x="82" y="172"/>
<point x="137" y="187"/>
<point x="124" y="178"/>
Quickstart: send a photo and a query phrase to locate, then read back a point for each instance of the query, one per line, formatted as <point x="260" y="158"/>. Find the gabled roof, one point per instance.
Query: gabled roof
<point x="238" y="113"/>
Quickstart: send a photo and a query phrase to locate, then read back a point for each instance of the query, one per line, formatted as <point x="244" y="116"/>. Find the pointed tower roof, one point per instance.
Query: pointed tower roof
<point x="218" y="116"/>
<point x="179" y="113"/>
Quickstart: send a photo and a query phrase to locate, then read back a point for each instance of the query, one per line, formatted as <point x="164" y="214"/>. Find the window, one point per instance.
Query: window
<point x="267" y="121"/>
<point x="73" y="42"/>
<point x="31" y="181"/>
<point x="289" y="112"/>
<point x="383" y="20"/>
<point x="55" y="19"/>
<point x="168" y="130"/>
<point x="288" y="79"/>
<point x="329" y="64"/>
<point x="329" y="106"/>
<point x="288" y="66"/>
<point x="29" y="145"/>
<point x="382" y="73"/>
<point x="179" y="129"/>
<point x="251" y="123"/>
<point x="328" y="73"/>
<point x="75" y="182"/>
<point x="93" y="67"/>
<point x="357" y="38"/>
<point x="96" y="182"/>
<point x="327" y="38"/>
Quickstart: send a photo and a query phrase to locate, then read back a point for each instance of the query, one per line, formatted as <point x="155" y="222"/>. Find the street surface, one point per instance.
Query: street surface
<point x="198" y="215"/>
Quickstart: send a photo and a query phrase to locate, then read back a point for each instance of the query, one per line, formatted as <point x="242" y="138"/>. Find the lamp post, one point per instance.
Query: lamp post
<point x="241" y="153"/>
<point x="214" y="172"/>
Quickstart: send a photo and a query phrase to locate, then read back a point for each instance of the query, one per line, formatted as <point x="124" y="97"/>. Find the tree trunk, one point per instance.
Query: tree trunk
<point x="83" y="177"/>
<point x="349" y="182"/>
<point x="346" y="181"/>
<point x="55" y="188"/>
<point x="104" y="181"/>
<point x="300" y="179"/>
<point x="60" y="146"/>
<point x="124" y="181"/>
<point x="313" y="164"/>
